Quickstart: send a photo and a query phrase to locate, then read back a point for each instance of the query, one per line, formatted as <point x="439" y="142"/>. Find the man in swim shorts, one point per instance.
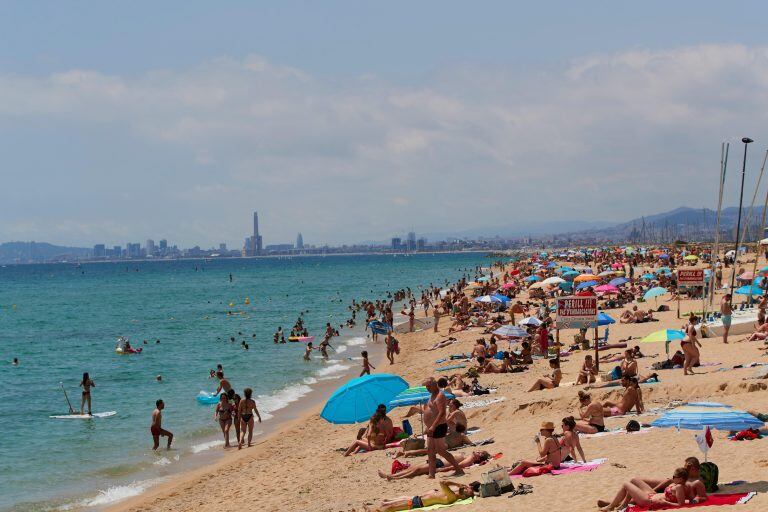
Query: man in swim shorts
<point x="157" y="429"/>
<point x="726" y="312"/>
<point x="435" y="418"/>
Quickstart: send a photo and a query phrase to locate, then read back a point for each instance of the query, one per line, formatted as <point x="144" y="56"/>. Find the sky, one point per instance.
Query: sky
<point x="351" y="121"/>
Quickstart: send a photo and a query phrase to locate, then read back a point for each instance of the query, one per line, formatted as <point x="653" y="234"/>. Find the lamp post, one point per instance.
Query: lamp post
<point x="746" y="141"/>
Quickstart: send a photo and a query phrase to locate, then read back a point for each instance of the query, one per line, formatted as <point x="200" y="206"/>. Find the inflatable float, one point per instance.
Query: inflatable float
<point x="207" y="398"/>
<point x="305" y="339"/>
<point x="123" y="347"/>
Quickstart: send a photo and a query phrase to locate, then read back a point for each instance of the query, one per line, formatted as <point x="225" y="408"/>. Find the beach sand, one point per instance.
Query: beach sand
<point x="297" y="468"/>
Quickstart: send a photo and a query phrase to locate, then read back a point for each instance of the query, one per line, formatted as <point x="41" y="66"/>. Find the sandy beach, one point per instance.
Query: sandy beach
<point x="297" y="467"/>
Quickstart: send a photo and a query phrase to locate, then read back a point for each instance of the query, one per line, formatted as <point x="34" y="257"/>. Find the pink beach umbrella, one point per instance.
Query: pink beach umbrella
<point x="747" y="276"/>
<point x="606" y="288"/>
<point x="617" y="266"/>
<point x="507" y="286"/>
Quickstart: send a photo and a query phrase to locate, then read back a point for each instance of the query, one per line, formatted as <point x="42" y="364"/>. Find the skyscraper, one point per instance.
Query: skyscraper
<point x="256" y="242"/>
<point x="299" y="242"/>
<point x="411" y="244"/>
<point x="150" y="247"/>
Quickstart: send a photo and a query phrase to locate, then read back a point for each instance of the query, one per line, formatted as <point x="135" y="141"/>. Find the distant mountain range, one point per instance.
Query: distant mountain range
<point x="13" y="252"/>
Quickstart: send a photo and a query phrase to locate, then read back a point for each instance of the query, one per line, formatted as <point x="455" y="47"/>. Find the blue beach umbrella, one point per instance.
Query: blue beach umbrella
<point x="618" y="281"/>
<point x="654" y="292"/>
<point x="663" y="270"/>
<point x="699" y="415"/>
<point x="566" y="286"/>
<point x="357" y="400"/>
<point x="603" y="319"/>
<point x="489" y="299"/>
<point x="586" y="284"/>
<point x="551" y="264"/>
<point x="648" y="276"/>
<point x="510" y="331"/>
<point x="745" y="290"/>
<point x="531" y="279"/>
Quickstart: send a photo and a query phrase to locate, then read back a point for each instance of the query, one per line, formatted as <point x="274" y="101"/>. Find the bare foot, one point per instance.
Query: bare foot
<point x="602" y="503"/>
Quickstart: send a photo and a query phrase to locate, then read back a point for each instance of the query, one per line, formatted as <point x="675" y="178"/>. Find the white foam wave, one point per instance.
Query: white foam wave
<point x="162" y="462"/>
<point x="197" y="448"/>
<point x="356" y="341"/>
<point x="309" y="381"/>
<point x="341" y="349"/>
<point x="114" y="494"/>
<point x="332" y="369"/>
<point x="280" y="399"/>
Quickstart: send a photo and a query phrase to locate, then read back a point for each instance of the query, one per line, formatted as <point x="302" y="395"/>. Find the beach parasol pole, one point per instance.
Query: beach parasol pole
<point x="724" y="147"/>
<point x="746" y="141"/>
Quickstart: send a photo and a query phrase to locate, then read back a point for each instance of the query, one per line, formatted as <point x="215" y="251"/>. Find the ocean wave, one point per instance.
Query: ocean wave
<point x="197" y="448"/>
<point x="332" y="370"/>
<point x="280" y="399"/>
<point x="356" y="341"/>
<point x="341" y="349"/>
<point x="114" y="494"/>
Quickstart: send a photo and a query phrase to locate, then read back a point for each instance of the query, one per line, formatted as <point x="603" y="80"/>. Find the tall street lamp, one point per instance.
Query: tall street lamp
<point x="746" y="141"/>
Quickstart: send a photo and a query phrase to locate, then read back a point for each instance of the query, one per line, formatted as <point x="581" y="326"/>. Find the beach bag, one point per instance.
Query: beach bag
<point x="407" y="428"/>
<point x="489" y="490"/>
<point x="709" y="475"/>
<point x="499" y="475"/>
<point x="616" y="373"/>
<point x="413" y="443"/>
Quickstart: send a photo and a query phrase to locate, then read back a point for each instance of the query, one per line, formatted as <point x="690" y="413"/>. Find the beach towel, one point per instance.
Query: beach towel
<point x="712" y="500"/>
<point x="569" y="467"/>
<point x="451" y="367"/>
<point x="614" y="432"/>
<point x="460" y="502"/>
<point x="482" y="403"/>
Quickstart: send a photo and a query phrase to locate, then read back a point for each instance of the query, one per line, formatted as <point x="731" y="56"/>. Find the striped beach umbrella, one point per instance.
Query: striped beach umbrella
<point x="700" y="415"/>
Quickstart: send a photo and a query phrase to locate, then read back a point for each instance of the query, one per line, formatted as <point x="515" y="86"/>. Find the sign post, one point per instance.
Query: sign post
<point x="688" y="278"/>
<point x="577" y="313"/>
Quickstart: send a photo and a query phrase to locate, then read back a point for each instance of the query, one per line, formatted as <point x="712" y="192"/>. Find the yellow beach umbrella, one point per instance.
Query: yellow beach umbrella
<point x="586" y="277"/>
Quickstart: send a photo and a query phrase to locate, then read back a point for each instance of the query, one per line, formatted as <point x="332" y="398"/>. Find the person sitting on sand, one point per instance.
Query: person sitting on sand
<point x="446" y="495"/>
<point x="549" y="382"/>
<point x="464" y="461"/>
<point x="570" y="443"/>
<point x="591" y="414"/>
<point x="550" y="451"/>
<point x="525" y="353"/>
<point x="486" y="366"/>
<point x="588" y="372"/>
<point x="640" y="493"/>
<point x="479" y="350"/>
<point x="630" y="399"/>
<point x="376" y="437"/>
<point x="456" y="419"/>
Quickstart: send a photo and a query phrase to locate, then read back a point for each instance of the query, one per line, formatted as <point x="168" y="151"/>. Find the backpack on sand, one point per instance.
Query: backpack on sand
<point x="709" y="475"/>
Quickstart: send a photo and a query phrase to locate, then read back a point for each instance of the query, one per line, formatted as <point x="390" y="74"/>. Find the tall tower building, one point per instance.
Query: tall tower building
<point x="256" y="242"/>
<point x="299" y="242"/>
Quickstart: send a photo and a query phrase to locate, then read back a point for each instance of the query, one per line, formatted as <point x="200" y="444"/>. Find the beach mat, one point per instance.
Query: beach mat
<point x="451" y="367"/>
<point x="482" y="403"/>
<point x="615" y="432"/>
<point x="712" y="500"/>
<point x="466" y="501"/>
<point x="567" y="468"/>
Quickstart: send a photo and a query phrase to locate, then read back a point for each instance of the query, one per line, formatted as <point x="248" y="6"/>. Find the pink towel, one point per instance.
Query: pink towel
<point x="572" y="467"/>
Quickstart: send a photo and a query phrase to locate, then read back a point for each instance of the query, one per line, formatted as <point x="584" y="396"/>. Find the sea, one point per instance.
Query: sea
<point x="61" y="320"/>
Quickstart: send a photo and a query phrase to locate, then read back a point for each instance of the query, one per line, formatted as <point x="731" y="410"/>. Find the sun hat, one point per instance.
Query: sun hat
<point x="547" y="425"/>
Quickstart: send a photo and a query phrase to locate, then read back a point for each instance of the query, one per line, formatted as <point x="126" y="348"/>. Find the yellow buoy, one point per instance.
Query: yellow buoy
<point x="231" y="304"/>
<point x="247" y="300"/>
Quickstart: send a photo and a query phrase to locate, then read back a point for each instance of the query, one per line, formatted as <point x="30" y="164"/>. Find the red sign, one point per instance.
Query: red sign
<point x="690" y="277"/>
<point x="576" y="312"/>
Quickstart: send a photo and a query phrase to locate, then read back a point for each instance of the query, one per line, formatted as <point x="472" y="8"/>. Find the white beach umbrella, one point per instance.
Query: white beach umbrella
<point x="553" y="280"/>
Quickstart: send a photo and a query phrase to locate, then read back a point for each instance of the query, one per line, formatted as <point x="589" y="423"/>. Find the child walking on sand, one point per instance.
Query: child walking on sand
<point x="366" y="364"/>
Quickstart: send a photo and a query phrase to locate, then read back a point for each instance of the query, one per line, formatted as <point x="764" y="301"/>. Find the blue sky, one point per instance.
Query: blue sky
<point x="357" y="120"/>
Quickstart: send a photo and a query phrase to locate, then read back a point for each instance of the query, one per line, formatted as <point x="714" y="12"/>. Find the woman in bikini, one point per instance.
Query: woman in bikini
<point x="588" y="372"/>
<point x="456" y="419"/>
<point x="689" y="346"/>
<point x="446" y="495"/>
<point x="569" y="443"/>
<point x="643" y="495"/>
<point x="591" y="413"/>
<point x="375" y="439"/>
<point x="246" y="410"/>
<point x="549" y="382"/>
<point x="223" y="414"/>
<point x="86" y="384"/>
<point x="550" y="453"/>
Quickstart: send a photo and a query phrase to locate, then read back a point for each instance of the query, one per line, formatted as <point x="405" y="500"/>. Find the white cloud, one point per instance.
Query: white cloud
<point x="193" y="151"/>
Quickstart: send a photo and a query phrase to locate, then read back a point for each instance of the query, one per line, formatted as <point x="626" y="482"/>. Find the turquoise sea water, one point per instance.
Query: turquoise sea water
<point x="62" y="320"/>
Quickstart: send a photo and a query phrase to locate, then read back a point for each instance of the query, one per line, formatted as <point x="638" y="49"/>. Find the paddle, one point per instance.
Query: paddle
<point x="71" y="410"/>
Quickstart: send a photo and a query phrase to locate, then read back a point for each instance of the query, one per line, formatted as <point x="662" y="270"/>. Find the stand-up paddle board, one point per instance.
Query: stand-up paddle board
<point x="84" y="416"/>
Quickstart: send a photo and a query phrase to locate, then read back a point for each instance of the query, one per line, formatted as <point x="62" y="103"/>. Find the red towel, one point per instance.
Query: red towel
<point x="712" y="499"/>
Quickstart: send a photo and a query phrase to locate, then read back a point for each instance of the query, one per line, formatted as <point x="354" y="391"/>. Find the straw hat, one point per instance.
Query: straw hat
<point x="547" y="425"/>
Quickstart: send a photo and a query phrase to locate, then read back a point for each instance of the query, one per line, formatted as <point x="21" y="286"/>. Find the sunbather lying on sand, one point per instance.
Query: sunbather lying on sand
<point x="464" y="461"/>
<point x="442" y="344"/>
<point x="448" y="494"/>
<point x="683" y="486"/>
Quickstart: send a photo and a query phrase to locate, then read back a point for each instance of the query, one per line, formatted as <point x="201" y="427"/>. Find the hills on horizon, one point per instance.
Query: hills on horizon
<point x="681" y="223"/>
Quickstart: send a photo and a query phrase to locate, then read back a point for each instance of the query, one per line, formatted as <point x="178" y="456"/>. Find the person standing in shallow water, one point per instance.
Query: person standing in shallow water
<point x="157" y="426"/>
